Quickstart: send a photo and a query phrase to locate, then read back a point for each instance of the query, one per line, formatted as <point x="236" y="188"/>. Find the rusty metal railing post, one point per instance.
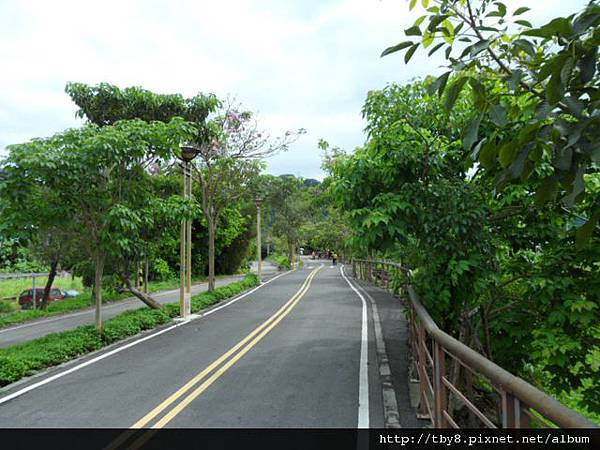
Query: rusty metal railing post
<point x="423" y="413"/>
<point x="511" y="412"/>
<point x="439" y="388"/>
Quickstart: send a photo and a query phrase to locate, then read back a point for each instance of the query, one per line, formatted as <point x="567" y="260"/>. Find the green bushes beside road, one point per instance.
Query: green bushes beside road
<point x="281" y="260"/>
<point x="26" y="359"/>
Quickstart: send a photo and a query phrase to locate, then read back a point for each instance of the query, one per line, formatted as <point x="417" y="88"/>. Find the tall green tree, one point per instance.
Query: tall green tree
<point x="538" y="88"/>
<point x="98" y="176"/>
<point x="230" y="157"/>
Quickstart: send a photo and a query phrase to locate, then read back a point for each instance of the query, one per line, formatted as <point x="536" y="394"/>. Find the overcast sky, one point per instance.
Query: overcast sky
<point x="298" y="63"/>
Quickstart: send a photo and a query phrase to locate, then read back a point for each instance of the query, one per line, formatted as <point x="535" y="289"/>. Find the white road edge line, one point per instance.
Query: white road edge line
<point x="126" y="346"/>
<point x="390" y="405"/>
<point x="363" y="378"/>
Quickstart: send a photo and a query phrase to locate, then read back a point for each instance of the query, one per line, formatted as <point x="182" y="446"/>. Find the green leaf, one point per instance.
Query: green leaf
<point x="554" y="89"/>
<point x="587" y="65"/>
<point x="515" y="79"/>
<point x="560" y="25"/>
<point x="498" y="115"/>
<point x="413" y="31"/>
<point x="526" y="46"/>
<point x="518" y="164"/>
<point x="479" y="47"/>
<point x="435" y="48"/>
<point x="439" y="84"/>
<point x="453" y="92"/>
<point x="471" y="132"/>
<point x="501" y="8"/>
<point x="565" y="72"/>
<point x="507" y="153"/>
<point x="427" y="39"/>
<point x="521" y="10"/>
<point x="524" y="23"/>
<point x="448" y="51"/>
<point x="563" y="159"/>
<point x="410" y="53"/>
<point x="487" y="155"/>
<point x="420" y="20"/>
<point x="585" y="232"/>
<point x="412" y="4"/>
<point x="395" y="48"/>
<point x="435" y="21"/>
<point x="479" y="95"/>
<point x="578" y="187"/>
<point x="547" y="191"/>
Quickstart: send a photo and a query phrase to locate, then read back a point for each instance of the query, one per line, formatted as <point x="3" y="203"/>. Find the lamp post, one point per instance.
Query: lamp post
<point x="258" y="244"/>
<point x="188" y="153"/>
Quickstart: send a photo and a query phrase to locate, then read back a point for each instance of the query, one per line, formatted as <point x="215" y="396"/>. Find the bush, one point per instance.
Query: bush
<point x="162" y="270"/>
<point x="282" y="261"/>
<point x="25" y="359"/>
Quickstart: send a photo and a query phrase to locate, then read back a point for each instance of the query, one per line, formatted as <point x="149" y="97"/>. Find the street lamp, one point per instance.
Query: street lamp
<point x="258" y="244"/>
<point x="188" y="153"/>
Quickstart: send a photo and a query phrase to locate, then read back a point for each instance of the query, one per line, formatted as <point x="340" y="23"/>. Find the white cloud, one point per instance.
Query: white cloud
<point x="300" y="64"/>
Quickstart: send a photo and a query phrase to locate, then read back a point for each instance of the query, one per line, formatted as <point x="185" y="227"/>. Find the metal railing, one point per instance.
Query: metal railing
<point x="518" y="404"/>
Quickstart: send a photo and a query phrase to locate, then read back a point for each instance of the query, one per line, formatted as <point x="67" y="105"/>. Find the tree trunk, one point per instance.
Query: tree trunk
<point x="146" y="274"/>
<point x="49" y="283"/>
<point x="149" y="301"/>
<point x="98" y="290"/>
<point x="291" y="252"/>
<point x="211" y="255"/>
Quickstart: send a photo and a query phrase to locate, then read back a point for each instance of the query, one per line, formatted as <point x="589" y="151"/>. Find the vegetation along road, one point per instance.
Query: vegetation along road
<point x="35" y="329"/>
<point x="301" y="344"/>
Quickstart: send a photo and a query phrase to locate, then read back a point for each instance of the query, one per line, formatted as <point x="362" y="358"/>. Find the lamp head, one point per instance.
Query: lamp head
<point x="188" y="152"/>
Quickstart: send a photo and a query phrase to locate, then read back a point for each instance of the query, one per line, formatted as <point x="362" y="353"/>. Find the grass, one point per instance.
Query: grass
<point x="25" y="359"/>
<point x="10" y="313"/>
<point x="12" y="288"/>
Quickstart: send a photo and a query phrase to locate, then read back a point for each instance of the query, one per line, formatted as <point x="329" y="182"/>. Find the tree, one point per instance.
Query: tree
<point x="290" y="207"/>
<point x="230" y="155"/>
<point x="494" y="270"/>
<point x="105" y="104"/>
<point x="539" y="88"/>
<point x="102" y="182"/>
<point x="45" y="223"/>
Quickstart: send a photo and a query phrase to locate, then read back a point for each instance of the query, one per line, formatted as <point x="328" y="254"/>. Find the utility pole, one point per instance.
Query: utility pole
<point x="188" y="153"/>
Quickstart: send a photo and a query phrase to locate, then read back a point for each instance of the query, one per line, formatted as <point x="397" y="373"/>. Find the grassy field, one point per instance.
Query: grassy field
<point x="12" y="288"/>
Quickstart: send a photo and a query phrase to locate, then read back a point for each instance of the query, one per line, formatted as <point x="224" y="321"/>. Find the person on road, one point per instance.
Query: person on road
<point x="334" y="257"/>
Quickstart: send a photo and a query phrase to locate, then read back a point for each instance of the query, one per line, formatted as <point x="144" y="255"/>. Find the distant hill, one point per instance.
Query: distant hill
<point x="311" y="182"/>
<point x="308" y="182"/>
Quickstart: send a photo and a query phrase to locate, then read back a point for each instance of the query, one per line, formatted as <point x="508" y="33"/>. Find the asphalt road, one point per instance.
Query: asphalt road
<point x="292" y="353"/>
<point x="38" y="328"/>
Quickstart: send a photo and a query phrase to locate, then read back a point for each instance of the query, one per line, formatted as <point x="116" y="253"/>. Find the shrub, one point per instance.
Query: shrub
<point x="162" y="269"/>
<point x="281" y="260"/>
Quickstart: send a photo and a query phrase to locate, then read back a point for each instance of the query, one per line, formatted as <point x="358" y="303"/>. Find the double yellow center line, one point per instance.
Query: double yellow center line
<point x="223" y="363"/>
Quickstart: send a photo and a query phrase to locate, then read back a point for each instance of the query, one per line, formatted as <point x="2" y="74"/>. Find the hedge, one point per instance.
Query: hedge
<point x="25" y="359"/>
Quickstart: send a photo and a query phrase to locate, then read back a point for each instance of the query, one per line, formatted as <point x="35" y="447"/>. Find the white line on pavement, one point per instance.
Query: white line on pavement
<point x="126" y="346"/>
<point x="390" y="405"/>
<point x="363" y="386"/>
